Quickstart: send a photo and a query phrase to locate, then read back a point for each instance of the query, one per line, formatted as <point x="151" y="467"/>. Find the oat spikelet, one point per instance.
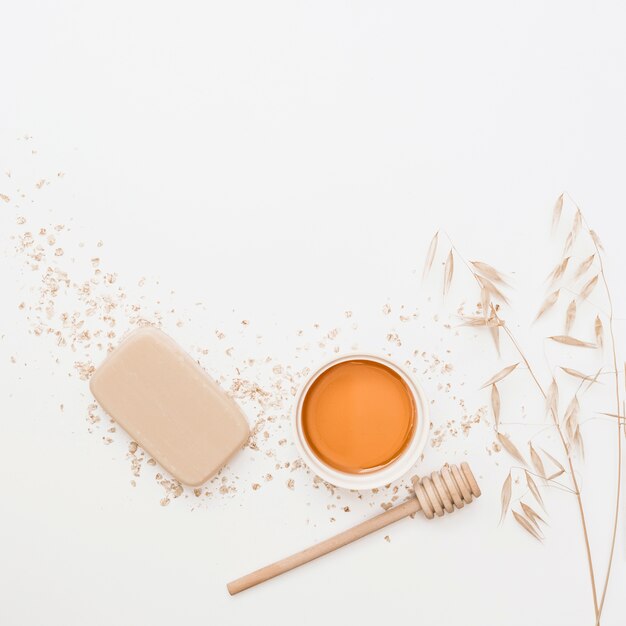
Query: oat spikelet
<point x="526" y="525"/>
<point x="555" y="474"/>
<point x="511" y="448"/>
<point x="556" y="212"/>
<point x="558" y="271"/>
<point x="578" y="222"/>
<point x="480" y="321"/>
<point x="584" y="266"/>
<point x="572" y="341"/>
<point x="534" y="489"/>
<point x="505" y="496"/>
<point x="495" y="335"/>
<point x="570" y="316"/>
<point x="561" y="468"/>
<point x="576" y="373"/>
<point x="484" y="302"/>
<point x="594" y="379"/>
<point x="537" y="462"/>
<point x="596" y="239"/>
<point x="430" y="256"/>
<point x="569" y="242"/>
<point x="448" y="272"/>
<point x="492" y="289"/>
<point x="621" y="417"/>
<point x="578" y="441"/>
<point x="549" y="302"/>
<point x="489" y="272"/>
<point x="495" y="404"/>
<point x="552" y="400"/>
<point x="599" y="330"/>
<point x="589" y="287"/>
<point x="503" y="373"/>
<point x="532" y="515"/>
<point x="570" y="419"/>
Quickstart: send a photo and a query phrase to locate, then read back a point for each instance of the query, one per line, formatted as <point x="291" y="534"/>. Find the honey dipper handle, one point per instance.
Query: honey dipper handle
<point x="348" y="536"/>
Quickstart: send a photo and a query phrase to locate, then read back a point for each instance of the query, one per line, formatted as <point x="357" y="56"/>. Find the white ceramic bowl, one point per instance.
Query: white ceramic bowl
<point x="376" y="478"/>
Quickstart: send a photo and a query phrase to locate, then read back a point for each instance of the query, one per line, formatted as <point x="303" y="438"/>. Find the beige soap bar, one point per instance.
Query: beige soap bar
<point x="169" y="406"/>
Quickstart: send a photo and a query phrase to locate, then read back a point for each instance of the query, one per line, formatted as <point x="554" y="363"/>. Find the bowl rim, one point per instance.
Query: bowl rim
<point x="377" y="478"/>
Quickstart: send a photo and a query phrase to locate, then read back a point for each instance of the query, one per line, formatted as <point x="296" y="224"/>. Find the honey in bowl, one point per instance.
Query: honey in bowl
<point x="358" y="416"/>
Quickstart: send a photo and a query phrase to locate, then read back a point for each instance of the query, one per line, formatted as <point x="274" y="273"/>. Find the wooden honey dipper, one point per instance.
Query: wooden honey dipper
<point x="442" y="491"/>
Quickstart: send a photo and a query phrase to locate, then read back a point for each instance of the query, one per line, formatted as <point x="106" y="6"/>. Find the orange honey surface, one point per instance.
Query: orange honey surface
<point x="358" y="416"/>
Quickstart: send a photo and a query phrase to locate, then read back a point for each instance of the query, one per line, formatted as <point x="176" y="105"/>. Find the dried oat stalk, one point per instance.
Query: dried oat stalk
<point x="570" y="268"/>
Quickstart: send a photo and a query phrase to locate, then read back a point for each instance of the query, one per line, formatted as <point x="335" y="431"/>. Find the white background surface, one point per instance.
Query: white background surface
<point x="283" y="163"/>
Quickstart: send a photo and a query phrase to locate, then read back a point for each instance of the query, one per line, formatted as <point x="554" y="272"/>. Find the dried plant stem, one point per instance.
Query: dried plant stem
<point x="581" y="507"/>
<point x="619" y="438"/>
<point x="566" y="447"/>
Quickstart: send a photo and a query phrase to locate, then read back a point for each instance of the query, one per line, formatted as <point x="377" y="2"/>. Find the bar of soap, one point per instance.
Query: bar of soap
<point x="169" y="406"/>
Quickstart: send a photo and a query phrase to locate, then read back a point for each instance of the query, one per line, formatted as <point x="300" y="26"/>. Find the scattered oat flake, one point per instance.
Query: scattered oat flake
<point x="4" y="198"/>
